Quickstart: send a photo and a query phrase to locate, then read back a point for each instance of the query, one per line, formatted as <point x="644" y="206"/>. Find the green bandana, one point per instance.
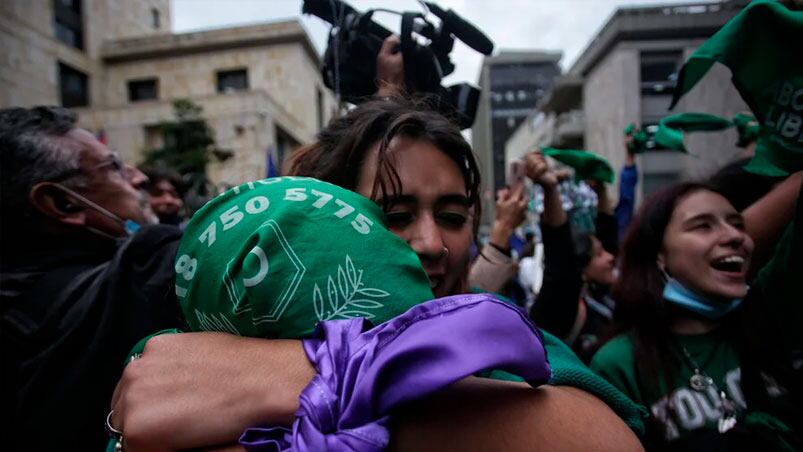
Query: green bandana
<point x="671" y="128"/>
<point x="761" y="46"/>
<point x="748" y="128"/>
<point x="272" y="258"/>
<point x="587" y="165"/>
<point x="641" y="139"/>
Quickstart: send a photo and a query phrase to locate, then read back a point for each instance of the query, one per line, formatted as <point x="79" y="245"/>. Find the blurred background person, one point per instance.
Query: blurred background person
<point x="166" y="190"/>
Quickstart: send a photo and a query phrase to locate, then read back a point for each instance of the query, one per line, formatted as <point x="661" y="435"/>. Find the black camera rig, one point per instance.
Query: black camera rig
<point x="349" y="66"/>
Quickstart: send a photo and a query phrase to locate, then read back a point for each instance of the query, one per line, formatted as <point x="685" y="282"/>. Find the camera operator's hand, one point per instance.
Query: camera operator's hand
<point x="390" y="67"/>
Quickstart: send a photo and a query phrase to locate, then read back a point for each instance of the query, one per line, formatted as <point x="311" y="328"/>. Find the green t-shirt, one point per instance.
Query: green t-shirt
<point x="679" y="408"/>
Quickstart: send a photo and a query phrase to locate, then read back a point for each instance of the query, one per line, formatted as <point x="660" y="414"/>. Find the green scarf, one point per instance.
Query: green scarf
<point x="587" y="165"/>
<point x="748" y="128"/>
<point x="272" y="258"/>
<point x="761" y="46"/>
<point x="671" y="128"/>
<point x="640" y="139"/>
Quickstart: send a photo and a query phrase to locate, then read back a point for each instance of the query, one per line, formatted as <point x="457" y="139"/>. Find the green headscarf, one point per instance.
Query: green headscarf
<point x="761" y="46"/>
<point x="587" y="165"/>
<point x="272" y="258"/>
<point x="671" y="128"/>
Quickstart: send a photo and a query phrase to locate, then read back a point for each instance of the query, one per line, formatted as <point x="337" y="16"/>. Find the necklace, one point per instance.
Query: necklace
<point x="700" y="382"/>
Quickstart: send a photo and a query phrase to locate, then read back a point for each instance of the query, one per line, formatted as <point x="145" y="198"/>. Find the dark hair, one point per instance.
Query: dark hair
<point x="30" y="152"/>
<point x="342" y="147"/>
<point x="159" y="173"/>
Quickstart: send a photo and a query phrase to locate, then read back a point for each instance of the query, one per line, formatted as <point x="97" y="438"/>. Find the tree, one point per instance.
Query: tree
<point x="188" y="142"/>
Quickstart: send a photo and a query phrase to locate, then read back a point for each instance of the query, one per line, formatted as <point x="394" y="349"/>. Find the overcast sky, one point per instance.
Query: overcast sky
<point x="562" y="25"/>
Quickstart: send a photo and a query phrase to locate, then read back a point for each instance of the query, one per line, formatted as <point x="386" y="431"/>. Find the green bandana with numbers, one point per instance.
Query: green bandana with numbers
<point x="761" y="46"/>
<point x="272" y="258"/>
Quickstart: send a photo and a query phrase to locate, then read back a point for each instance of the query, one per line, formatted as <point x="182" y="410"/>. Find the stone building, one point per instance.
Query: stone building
<point x="512" y="82"/>
<point x="627" y="74"/>
<point x="558" y="121"/>
<point x="118" y="64"/>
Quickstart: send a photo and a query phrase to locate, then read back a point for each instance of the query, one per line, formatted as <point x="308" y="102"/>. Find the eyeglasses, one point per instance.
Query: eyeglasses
<point x="112" y="159"/>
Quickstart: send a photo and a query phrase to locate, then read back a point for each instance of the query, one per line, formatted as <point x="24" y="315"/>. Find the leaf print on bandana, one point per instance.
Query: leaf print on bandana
<point x="347" y="297"/>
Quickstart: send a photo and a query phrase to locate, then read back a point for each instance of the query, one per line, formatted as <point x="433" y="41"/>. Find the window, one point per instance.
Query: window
<point x="142" y="90"/>
<point x="69" y="22"/>
<point x="235" y="80"/>
<point x="156" y="19"/>
<point x="659" y="72"/>
<point x="73" y="87"/>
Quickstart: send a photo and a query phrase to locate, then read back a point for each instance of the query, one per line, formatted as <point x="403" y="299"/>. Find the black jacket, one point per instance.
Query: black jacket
<point x="70" y="314"/>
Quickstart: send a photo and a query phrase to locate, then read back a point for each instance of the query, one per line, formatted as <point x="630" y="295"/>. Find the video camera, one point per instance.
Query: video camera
<point x="349" y="66"/>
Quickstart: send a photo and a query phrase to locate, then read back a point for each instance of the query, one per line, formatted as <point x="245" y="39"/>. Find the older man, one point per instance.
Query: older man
<point x="82" y="281"/>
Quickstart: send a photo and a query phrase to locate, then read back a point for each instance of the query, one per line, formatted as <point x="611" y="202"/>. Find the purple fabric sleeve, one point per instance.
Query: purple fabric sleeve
<point x="363" y="375"/>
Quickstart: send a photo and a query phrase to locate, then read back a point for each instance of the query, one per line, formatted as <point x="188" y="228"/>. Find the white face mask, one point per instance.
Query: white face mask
<point x="129" y="226"/>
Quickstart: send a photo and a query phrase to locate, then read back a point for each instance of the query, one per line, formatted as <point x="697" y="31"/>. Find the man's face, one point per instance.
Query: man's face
<point x="165" y="200"/>
<point x="107" y="184"/>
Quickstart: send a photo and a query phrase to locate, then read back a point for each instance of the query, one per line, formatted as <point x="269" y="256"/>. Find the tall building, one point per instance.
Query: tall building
<point x="557" y="122"/>
<point x="629" y="71"/>
<point x="118" y="64"/>
<point x="512" y="82"/>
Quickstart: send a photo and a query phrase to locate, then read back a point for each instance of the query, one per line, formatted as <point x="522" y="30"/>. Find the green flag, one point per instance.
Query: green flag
<point x="761" y="46"/>
<point x="272" y="258"/>
<point x="587" y="165"/>
<point x="671" y="128"/>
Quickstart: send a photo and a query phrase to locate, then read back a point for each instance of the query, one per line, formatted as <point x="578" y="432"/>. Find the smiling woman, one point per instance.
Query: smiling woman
<point x="682" y="348"/>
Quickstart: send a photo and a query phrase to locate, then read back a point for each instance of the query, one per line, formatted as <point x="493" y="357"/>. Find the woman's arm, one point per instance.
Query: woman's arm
<point x="482" y="414"/>
<point x="202" y="389"/>
<point x="190" y="390"/>
<point x="766" y="218"/>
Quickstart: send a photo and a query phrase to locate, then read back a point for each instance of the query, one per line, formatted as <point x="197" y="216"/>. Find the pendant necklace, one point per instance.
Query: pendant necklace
<point x="700" y="382"/>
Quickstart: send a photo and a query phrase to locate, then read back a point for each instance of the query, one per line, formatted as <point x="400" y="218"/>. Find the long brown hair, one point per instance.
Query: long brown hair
<point x="640" y="308"/>
<point x="342" y="147"/>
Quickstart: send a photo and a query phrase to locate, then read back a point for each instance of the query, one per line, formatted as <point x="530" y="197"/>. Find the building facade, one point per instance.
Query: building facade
<point x="259" y="86"/>
<point x="627" y="74"/>
<point x="629" y="71"/>
<point x="511" y="83"/>
<point x="557" y="122"/>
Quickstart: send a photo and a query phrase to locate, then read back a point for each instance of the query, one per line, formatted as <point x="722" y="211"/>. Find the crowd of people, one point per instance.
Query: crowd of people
<point x="350" y="304"/>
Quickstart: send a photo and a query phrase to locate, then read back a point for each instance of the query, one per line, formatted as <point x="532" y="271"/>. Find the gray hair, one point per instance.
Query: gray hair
<point x="31" y="152"/>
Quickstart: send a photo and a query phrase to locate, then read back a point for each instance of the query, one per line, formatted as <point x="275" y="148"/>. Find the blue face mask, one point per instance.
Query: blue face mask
<point x="677" y="294"/>
<point x="131" y="227"/>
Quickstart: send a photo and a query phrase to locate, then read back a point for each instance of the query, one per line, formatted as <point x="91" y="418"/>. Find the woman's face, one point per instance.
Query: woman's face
<point x="705" y="246"/>
<point x="599" y="269"/>
<point x="432" y="212"/>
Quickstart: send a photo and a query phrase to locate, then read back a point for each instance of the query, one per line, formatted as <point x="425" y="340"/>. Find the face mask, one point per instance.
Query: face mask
<point x="129" y="226"/>
<point x="677" y="294"/>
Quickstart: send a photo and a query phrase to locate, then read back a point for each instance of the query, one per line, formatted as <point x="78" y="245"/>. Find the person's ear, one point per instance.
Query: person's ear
<point x="660" y="261"/>
<point x="54" y="203"/>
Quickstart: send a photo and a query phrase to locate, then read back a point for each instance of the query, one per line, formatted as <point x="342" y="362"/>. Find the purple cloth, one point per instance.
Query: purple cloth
<point x="363" y="375"/>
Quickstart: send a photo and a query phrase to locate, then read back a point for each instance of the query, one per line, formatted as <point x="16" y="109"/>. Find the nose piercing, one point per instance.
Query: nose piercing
<point x="444" y="252"/>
